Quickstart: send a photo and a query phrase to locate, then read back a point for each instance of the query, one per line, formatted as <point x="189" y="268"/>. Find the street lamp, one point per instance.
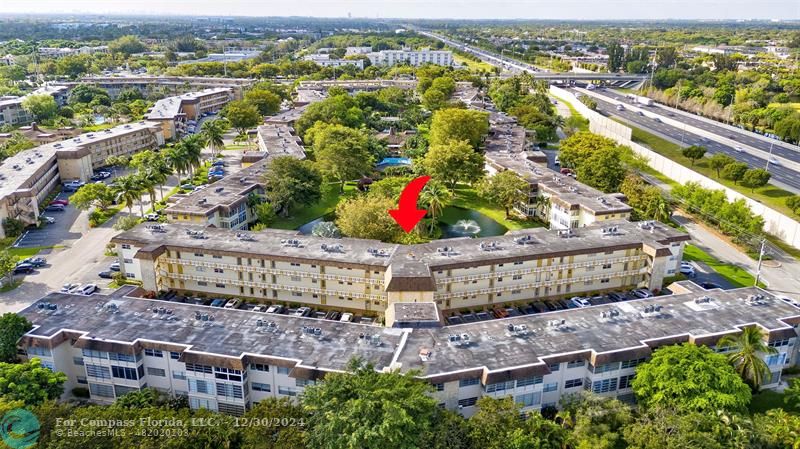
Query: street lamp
<point x="771" y="144"/>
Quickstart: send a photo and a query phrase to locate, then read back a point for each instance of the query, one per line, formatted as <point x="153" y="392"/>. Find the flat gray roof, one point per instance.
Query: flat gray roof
<point x="170" y="107"/>
<point x="493" y="345"/>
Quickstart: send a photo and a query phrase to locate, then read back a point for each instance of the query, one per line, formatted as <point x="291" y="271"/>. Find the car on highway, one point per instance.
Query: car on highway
<point x="640" y="113"/>
<point x="37" y="262"/>
<point x="739" y="149"/>
<point x="55" y="208"/>
<point x="656" y="119"/>
<point x="24" y="268"/>
<point x="106" y="274"/>
<point x="620" y="107"/>
<point x="88" y="289"/>
<point x="774" y="161"/>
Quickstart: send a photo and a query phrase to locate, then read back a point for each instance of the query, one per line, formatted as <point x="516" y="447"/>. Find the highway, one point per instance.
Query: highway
<point x="781" y="149"/>
<point x="780" y="175"/>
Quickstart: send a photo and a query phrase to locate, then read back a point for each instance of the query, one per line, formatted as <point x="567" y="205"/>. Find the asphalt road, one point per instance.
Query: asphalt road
<point x="742" y="136"/>
<point x="782" y="175"/>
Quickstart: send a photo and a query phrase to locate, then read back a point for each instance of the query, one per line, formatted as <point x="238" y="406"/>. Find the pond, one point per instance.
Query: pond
<point x="459" y="222"/>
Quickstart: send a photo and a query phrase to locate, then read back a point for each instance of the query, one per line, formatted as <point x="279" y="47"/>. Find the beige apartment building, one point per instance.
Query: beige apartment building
<point x="366" y="276"/>
<point x="164" y="85"/>
<point x="174" y="112"/>
<point x="227" y="360"/>
<point x="29" y="176"/>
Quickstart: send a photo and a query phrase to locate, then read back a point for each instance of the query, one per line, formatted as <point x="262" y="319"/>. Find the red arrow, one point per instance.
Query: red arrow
<point x="407" y="215"/>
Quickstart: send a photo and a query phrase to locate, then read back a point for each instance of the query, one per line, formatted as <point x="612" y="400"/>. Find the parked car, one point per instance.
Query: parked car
<point x="346" y="317"/>
<point x="557" y="161"/>
<point x="23" y="268"/>
<point x="218" y="163"/>
<point x="64" y="201"/>
<point x="219" y="302"/>
<point x="152" y="217"/>
<point x="260" y="308"/>
<point x="67" y="287"/>
<point x="579" y="301"/>
<point x="76" y="289"/>
<point x="710" y="285"/>
<point x="187" y="186"/>
<point x="687" y="269"/>
<point x="88" y="289"/>
<point x="277" y="308"/>
<point x="106" y="274"/>
<point x="104" y="174"/>
<point x="48" y="220"/>
<point x="37" y="262"/>
<point x="114" y="266"/>
<point x="233" y="303"/>
<point x="642" y="293"/>
<point x="303" y="311"/>
<point x="616" y="297"/>
<point x="55" y="208"/>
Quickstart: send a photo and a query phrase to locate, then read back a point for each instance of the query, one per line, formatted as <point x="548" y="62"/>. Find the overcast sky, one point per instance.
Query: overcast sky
<point x="469" y="9"/>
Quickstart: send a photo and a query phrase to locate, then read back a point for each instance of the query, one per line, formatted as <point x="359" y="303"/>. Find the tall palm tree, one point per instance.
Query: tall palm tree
<point x="193" y="147"/>
<point x="159" y="173"/>
<point x="176" y="158"/>
<point x="746" y="356"/>
<point x="212" y="133"/>
<point x="149" y="181"/>
<point x="128" y="190"/>
<point x="435" y="197"/>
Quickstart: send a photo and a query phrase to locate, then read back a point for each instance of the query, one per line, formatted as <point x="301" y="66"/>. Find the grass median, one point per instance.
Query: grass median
<point x="736" y="276"/>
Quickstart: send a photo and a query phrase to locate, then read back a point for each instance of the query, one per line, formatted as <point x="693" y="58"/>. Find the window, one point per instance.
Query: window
<point x="573" y="383"/>
<point x="228" y="374"/>
<point x="605" y="385"/>
<point x="283" y="370"/>
<point x="230" y="409"/>
<point x="180" y="375"/>
<point x="625" y="381"/>
<point x="156" y="372"/>
<point x="39" y="351"/>
<point x="219" y="285"/>
<point x="606" y="266"/>
<point x="516" y="277"/>
<point x="121" y="357"/>
<point x="127" y="260"/>
<point x="126" y="246"/>
<point x="121" y="390"/>
<point x="469" y="402"/>
<point x="205" y="369"/>
<point x="500" y="386"/>
<point x="294" y="264"/>
<point x="438" y="387"/>
<point x="94" y="354"/>
<point x="123" y="372"/>
<point x="776" y="359"/>
<point x="303" y="382"/>
<point x="575" y="363"/>
<point x="105" y="391"/>
<point x="300" y="294"/>
<point x="174" y="355"/>
<point x="287" y="391"/>
<point x="297" y="279"/>
<point x="82" y="380"/>
<point x="48" y="365"/>
<point x="261" y="387"/>
<point x="218" y="270"/>
<point x="259" y="367"/>
<point x="550" y="387"/>
<point x="198" y="255"/>
<point x="202" y="283"/>
<point x="216" y="256"/>
<point x="98" y="372"/>
<point x="201" y="386"/>
<point x="467" y="382"/>
<point x="153" y="353"/>
<point x="554" y="367"/>
<point x="197" y="403"/>
<point x="533" y="380"/>
<point x="229" y="390"/>
<point x="605" y="281"/>
<point x="530" y="399"/>
<point x="779" y="343"/>
<point x="77" y="360"/>
<point x="604" y="368"/>
<point x="632" y="363"/>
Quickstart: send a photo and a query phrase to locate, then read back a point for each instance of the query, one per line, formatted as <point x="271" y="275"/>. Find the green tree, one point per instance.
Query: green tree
<point x="597" y="421"/>
<point x="288" y="431"/>
<point x="30" y="382"/>
<point x="267" y="102"/>
<point x="778" y="429"/>
<point x="41" y="107"/>
<point x="366" y="217"/>
<point x="127" y="45"/>
<point x="13" y="227"/>
<point x="660" y="428"/>
<point x="433" y="100"/>
<point x="793" y="203"/>
<point x="7" y="264"/>
<point x="694" y="153"/>
<point x="291" y="182"/>
<point x="718" y="161"/>
<point x="341" y="153"/>
<point x="367" y="409"/>
<point x="755" y="178"/>
<point x="435" y="197"/>
<point x="506" y="189"/>
<point x="452" y="124"/>
<point x="603" y="170"/>
<point x="127" y="222"/>
<point x="213" y="132"/>
<point x="453" y="162"/>
<point x="265" y="213"/>
<point x="734" y="171"/>
<point x="334" y="110"/>
<point x="691" y="378"/>
<point x="573" y="124"/>
<point x="128" y="190"/>
<point x="93" y="195"/>
<point x="242" y="115"/>
<point x="746" y="355"/>
<point x="494" y="419"/>
<point x="12" y="327"/>
<point x="449" y="430"/>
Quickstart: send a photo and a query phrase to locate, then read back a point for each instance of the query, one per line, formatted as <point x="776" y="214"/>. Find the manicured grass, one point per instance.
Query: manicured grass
<point x="466" y="197"/>
<point x="473" y="64"/>
<point x="574" y="112"/>
<point x="766" y="400"/>
<point x="795" y="106"/>
<point x="100" y="127"/>
<point x="789" y="249"/>
<point x="103" y="216"/>
<point x="772" y="196"/>
<point x="11" y="286"/>
<point x="330" y="198"/>
<point x="737" y="276"/>
<point x="239" y="146"/>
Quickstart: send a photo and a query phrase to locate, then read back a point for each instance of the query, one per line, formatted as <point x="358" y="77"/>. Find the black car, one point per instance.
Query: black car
<point x="24" y="268"/>
<point x="616" y="297"/>
<point x="36" y="262"/>
<point x="106" y="274"/>
<point x="709" y="285"/>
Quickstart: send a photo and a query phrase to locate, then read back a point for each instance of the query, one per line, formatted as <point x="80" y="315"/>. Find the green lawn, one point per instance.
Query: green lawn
<point x="737" y="276"/>
<point x="573" y="111"/>
<point x="770" y="195"/>
<point x="330" y="198"/>
<point x="766" y="400"/>
<point x="239" y="146"/>
<point x="466" y="197"/>
<point x="486" y="67"/>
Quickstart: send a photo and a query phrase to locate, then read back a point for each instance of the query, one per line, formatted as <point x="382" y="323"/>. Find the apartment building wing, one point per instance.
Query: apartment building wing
<point x="164" y="84"/>
<point x="227" y="360"/>
<point x="411" y="57"/>
<point x="12" y="112"/>
<point x="174" y="112"/>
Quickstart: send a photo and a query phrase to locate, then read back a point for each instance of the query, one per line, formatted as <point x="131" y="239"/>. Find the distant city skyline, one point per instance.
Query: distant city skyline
<point x="447" y="9"/>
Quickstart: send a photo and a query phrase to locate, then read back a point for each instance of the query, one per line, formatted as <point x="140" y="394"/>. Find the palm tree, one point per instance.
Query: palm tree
<point x="128" y="190"/>
<point x="746" y="356"/>
<point x="149" y="182"/>
<point x="176" y="158"/>
<point x="542" y="204"/>
<point x="159" y="173"/>
<point x="193" y="147"/>
<point x="212" y="133"/>
<point x="435" y="197"/>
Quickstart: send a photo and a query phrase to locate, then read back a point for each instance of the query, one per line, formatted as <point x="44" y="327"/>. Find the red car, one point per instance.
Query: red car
<point x="64" y="202"/>
<point x="566" y="171"/>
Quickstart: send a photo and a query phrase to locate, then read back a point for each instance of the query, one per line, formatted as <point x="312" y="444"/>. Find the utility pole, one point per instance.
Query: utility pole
<point x="760" y="258"/>
<point x="770" y="155"/>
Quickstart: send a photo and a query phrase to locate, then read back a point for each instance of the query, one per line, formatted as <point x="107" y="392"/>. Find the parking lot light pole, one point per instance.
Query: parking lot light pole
<point x="760" y="258"/>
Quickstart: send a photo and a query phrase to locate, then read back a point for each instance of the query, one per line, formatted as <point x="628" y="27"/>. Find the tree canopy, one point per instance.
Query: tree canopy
<point x="452" y="124"/>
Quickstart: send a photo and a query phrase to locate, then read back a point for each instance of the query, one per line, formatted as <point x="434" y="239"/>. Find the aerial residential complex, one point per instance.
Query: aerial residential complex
<point x="228" y="360"/>
<point x="384" y="57"/>
<point x="174" y="112"/>
<point x="369" y="276"/>
<point x="12" y="112"/>
<point x="164" y="85"/>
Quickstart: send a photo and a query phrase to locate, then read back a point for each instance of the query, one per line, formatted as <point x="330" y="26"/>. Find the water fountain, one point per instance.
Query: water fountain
<point x="464" y="228"/>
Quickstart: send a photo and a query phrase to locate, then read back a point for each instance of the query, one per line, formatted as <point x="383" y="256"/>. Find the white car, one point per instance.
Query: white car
<point x="774" y="161"/>
<point x="557" y="161"/>
<point x="739" y="149"/>
<point x="580" y="302"/>
<point x="88" y="289"/>
<point x="260" y="308"/>
<point x="687" y="269"/>
<point x="233" y="304"/>
<point x="152" y="217"/>
<point x="69" y="287"/>
<point x="346" y="317"/>
<point x="620" y="107"/>
<point x="48" y="220"/>
<point x="275" y="309"/>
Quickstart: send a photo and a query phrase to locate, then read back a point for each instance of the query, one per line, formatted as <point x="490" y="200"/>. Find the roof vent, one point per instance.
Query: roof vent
<point x="566" y="233"/>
